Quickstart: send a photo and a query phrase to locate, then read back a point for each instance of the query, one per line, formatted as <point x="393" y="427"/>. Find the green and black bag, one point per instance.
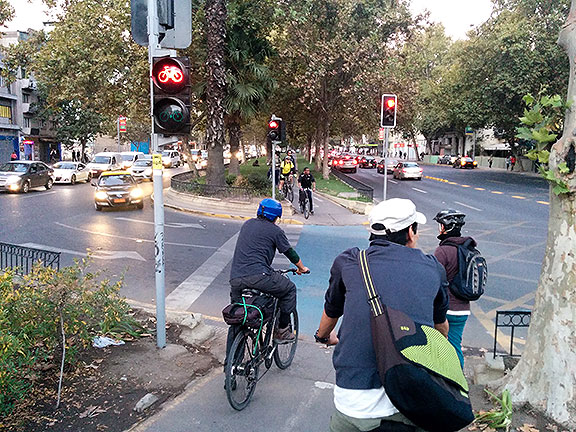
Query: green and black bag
<point x="418" y="367"/>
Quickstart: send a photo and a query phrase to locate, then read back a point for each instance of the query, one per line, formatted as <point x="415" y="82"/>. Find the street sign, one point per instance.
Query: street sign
<point x="122" y="124"/>
<point x="174" y="23"/>
<point x="156" y="161"/>
<point x="381" y="134"/>
<point x="469" y="131"/>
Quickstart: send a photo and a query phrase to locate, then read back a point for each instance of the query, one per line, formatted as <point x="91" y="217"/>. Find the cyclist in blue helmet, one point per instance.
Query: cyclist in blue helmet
<point x="257" y="243"/>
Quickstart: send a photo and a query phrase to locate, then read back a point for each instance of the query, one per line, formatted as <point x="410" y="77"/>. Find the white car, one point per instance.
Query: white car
<point x="170" y="158"/>
<point x="142" y="169"/>
<point x="129" y="157"/>
<point x="407" y="170"/>
<point x="71" y="172"/>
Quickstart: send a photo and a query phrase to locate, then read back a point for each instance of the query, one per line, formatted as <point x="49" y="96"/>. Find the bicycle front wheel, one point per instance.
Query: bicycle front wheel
<point x="284" y="353"/>
<point x="289" y="193"/>
<point x="307" y="209"/>
<point x="242" y="370"/>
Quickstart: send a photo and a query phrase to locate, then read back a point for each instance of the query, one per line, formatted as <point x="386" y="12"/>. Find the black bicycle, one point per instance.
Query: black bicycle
<point x="304" y="202"/>
<point x="288" y="188"/>
<point x="254" y="345"/>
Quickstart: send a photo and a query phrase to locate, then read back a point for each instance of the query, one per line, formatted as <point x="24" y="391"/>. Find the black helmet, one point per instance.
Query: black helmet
<point x="450" y="219"/>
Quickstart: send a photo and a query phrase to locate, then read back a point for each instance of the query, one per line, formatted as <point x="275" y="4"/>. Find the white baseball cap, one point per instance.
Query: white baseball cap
<point x="394" y="215"/>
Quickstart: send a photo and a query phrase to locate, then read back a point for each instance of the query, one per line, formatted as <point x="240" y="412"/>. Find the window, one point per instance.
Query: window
<point x="6" y="111"/>
<point x="25" y="98"/>
<point x="26" y="122"/>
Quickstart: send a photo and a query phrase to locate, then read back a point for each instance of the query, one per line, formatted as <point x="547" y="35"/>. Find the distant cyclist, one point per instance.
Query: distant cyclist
<point x="290" y="154"/>
<point x="287" y="170"/>
<point x="257" y="243"/>
<point x="307" y="184"/>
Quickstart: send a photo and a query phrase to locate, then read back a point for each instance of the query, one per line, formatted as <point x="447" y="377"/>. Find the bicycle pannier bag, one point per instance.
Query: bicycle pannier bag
<point x="418" y="367"/>
<point x="469" y="282"/>
<point x="252" y="311"/>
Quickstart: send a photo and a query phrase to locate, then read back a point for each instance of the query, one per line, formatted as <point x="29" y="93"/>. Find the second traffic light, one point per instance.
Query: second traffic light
<point x="277" y="129"/>
<point x="171" y="110"/>
<point x="388" y="111"/>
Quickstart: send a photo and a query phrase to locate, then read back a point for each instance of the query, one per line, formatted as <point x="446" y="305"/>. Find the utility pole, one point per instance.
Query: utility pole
<point x="385" y="155"/>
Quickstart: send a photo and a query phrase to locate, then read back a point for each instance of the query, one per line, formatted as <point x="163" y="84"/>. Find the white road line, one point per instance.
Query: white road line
<point x="139" y="240"/>
<point x="97" y="254"/>
<point x="169" y="224"/>
<point x="316" y="199"/>
<point x="468" y="206"/>
<point x="35" y="196"/>
<point x="188" y="291"/>
<point x="419" y="190"/>
<point x="392" y="181"/>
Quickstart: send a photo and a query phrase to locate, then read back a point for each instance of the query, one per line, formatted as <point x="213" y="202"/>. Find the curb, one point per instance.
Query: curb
<point x="354" y="206"/>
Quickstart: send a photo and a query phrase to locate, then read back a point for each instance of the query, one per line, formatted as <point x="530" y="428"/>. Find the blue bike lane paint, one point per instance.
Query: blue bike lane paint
<point x="317" y="247"/>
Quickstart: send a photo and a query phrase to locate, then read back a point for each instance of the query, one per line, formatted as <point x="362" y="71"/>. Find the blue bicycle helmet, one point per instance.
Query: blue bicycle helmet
<point x="270" y="209"/>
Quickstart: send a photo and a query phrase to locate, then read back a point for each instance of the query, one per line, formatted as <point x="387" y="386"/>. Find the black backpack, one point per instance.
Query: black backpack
<point x="469" y="282"/>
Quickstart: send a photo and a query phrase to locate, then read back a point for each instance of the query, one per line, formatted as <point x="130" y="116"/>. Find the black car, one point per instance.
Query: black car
<point x="21" y="176"/>
<point x="465" y="162"/>
<point x="117" y="189"/>
<point x="367" y="162"/>
<point x="445" y="159"/>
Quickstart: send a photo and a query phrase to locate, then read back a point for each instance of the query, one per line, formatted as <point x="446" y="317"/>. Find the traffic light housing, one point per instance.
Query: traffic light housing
<point x="277" y="129"/>
<point x="388" y="114"/>
<point x="171" y="110"/>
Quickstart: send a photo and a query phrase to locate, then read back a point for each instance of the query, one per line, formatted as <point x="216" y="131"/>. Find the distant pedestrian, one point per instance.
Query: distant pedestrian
<point x="490" y="161"/>
<point x="512" y="162"/>
<point x="74" y="159"/>
<point x="13" y="156"/>
<point x="507" y="163"/>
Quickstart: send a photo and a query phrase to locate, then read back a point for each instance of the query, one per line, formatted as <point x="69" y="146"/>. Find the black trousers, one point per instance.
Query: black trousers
<point x="308" y="192"/>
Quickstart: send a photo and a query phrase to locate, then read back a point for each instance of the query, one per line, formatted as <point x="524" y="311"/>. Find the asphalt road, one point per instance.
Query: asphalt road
<point x="507" y="214"/>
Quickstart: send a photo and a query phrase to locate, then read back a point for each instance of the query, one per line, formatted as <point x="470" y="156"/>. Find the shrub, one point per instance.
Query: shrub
<point x="31" y="312"/>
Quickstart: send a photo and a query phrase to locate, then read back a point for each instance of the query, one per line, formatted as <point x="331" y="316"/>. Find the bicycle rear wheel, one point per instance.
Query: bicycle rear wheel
<point x="284" y="353"/>
<point x="289" y="193"/>
<point x="242" y="370"/>
<point x="307" y="208"/>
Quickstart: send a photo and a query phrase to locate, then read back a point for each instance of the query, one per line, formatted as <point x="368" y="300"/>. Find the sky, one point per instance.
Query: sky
<point x="456" y="15"/>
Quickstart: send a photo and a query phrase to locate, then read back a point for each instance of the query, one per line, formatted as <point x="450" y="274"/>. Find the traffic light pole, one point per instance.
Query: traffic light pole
<point x="159" y="255"/>
<point x="385" y="156"/>
<point x="273" y="169"/>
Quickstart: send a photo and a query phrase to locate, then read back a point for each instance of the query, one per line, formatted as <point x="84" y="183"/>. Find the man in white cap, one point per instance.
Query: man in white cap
<point x="407" y="280"/>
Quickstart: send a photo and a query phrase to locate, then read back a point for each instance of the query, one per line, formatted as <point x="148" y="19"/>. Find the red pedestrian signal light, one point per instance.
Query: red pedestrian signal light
<point x="388" y="111"/>
<point x="171" y="109"/>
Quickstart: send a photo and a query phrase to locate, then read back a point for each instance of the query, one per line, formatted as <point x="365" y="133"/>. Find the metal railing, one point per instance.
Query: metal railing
<point x="511" y="320"/>
<point x="188" y="183"/>
<point x="361" y="188"/>
<point x="22" y="259"/>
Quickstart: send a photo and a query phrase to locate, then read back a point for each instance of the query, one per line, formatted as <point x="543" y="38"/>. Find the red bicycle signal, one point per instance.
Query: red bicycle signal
<point x="390" y="103"/>
<point x="170" y="74"/>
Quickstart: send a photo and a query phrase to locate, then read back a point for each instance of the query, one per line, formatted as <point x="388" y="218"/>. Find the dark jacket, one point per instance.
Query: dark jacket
<point x="448" y="257"/>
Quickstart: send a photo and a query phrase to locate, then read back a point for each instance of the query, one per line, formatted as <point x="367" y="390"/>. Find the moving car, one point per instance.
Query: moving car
<point x="21" y="176"/>
<point x="170" y="158"/>
<point x="465" y="162"/>
<point x="390" y="164"/>
<point x="71" y="172"/>
<point x="407" y="170"/>
<point x="117" y="188"/>
<point x="345" y="162"/>
<point x="104" y="161"/>
<point x="129" y="157"/>
<point x="366" y="161"/>
<point x="142" y="169"/>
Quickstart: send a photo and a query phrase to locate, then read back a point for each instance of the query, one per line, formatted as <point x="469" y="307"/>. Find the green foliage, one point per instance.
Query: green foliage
<point x="501" y="417"/>
<point x="6" y="11"/>
<point x="542" y="122"/>
<point x="30" y="332"/>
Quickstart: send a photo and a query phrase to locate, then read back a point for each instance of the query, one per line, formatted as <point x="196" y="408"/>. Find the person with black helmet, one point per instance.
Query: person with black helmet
<point x="257" y="243"/>
<point x="450" y="224"/>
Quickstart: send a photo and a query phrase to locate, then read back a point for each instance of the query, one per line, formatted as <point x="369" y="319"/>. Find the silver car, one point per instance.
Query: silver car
<point x="142" y="169"/>
<point x="407" y="170"/>
<point x="71" y="172"/>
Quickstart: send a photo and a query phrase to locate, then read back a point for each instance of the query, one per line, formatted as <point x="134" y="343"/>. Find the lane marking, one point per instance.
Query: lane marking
<point x="169" y="225"/>
<point x="419" y="190"/>
<point x="480" y="189"/>
<point x="543" y="202"/>
<point x="41" y="194"/>
<point x="468" y="206"/>
<point x="392" y="181"/>
<point x="190" y="289"/>
<point x="138" y="240"/>
<point x="510" y="305"/>
<point x="497" y="192"/>
<point x="97" y="254"/>
<point x="452" y="183"/>
<point x="466" y="186"/>
<point x="518" y="197"/>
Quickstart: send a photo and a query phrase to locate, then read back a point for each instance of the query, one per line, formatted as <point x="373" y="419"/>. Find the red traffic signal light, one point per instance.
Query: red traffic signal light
<point x="171" y="109"/>
<point x="388" y="111"/>
<point x="273" y="124"/>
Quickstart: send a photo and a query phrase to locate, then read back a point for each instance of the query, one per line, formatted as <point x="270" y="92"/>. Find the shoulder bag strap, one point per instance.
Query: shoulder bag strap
<point x="373" y="297"/>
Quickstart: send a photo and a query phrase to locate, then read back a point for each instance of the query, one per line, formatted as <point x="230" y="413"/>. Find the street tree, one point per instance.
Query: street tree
<point x="545" y="377"/>
<point x="76" y="123"/>
<point x="6" y="11"/>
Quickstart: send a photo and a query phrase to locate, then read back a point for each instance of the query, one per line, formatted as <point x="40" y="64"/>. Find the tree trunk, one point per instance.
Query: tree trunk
<point x="309" y="148"/>
<point x="545" y="377"/>
<point x="234" y="134"/>
<point x="317" y="144"/>
<point x="215" y="89"/>
<point x="186" y="151"/>
<point x="325" y="145"/>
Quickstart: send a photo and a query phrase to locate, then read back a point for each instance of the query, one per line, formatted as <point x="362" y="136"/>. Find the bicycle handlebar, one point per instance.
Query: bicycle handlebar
<point x="291" y="270"/>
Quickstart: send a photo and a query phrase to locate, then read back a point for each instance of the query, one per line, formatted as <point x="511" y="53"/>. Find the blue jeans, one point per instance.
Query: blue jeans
<point x="457" y="323"/>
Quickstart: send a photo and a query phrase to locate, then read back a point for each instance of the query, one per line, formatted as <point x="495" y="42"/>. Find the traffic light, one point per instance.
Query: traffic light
<point x="276" y="129"/>
<point x="171" y="108"/>
<point x="388" y="113"/>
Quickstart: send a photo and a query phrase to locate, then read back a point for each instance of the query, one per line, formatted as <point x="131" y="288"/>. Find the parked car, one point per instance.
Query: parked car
<point x="104" y="161"/>
<point x="345" y="163"/>
<point x="390" y="164"/>
<point x="444" y="159"/>
<point x="71" y="172"/>
<point x="465" y="162"/>
<point x="142" y="169"/>
<point x="171" y="158"/>
<point x="129" y="157"/>
<point x="21" y="176"/>
<point x="407" y="170"/>
<point x="117" y="188"/>
<point x="366" y="161"/>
